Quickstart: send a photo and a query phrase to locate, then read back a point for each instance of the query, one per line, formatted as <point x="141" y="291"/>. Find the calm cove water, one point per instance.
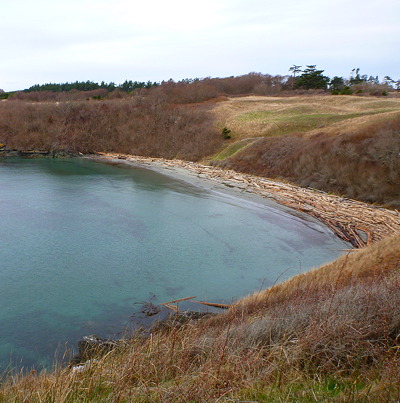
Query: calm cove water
<point x="83" y="244"/>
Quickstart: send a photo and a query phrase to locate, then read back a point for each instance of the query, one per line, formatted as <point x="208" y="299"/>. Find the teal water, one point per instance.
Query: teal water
<point x="83" y="244"/>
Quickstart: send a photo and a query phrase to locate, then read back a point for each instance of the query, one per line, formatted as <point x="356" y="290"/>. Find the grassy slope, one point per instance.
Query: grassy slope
<point x="342" y="144"/>
<point x="332" y="333"/>
<point x="256" y="116"/>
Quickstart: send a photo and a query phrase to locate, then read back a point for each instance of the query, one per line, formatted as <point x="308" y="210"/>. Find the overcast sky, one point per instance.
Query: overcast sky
<point x="45" y="41"/>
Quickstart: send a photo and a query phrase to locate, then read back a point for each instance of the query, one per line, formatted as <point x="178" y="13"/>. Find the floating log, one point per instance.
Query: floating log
<point x="223" y="306"/>
<point x="177" y="300"/>
<point x="172" y="307"/>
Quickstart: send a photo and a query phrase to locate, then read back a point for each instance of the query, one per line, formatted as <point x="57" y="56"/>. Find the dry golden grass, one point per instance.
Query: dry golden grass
<point x="358" y="265"/>
<point x="345" y="145"/>
<point x="256" y="116"/>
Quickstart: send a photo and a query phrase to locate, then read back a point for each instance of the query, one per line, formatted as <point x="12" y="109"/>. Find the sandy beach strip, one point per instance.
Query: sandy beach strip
<point x="353" y="221"/>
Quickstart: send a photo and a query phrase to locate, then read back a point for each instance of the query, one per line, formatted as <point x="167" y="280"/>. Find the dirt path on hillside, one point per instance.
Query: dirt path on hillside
<point x="353" y="221"/>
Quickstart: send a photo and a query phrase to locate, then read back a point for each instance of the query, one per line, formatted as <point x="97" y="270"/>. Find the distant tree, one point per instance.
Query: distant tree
<point x="127" y="86"/>
<point x="53" y="87"/>
<point x="337" y="84"/>
<point x="392" y="83"/>
<point x="149" y="84"/>
<point x="295" y="70"/>
<point x="356" y="78"/>
<point x="3" y="94"/>
<point x="312" y="79"/>
<point x="388" y="80"/>
<point x="111" y="86"/>
<point x="373" y="80"/>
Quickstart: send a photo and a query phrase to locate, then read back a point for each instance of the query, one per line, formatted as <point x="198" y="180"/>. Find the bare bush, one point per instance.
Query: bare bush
<point x="149" y="127"/>
<point x="364" y="164"/>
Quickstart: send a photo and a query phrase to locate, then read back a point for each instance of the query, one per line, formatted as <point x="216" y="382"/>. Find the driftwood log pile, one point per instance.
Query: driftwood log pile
<point x="353" y="221"/>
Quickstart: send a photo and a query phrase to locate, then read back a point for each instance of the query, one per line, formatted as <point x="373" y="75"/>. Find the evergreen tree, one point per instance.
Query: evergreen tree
<point x="295" y="69"/>
<point x="356" y="78"/>
<point x="337" y="83"/>
<point x="312" y="79"/>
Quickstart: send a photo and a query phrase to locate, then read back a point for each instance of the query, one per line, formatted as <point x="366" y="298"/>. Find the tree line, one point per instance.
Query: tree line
<point x="312" y="78"/>
<point x="200" y="89"/>
<point x="126" y="86"/>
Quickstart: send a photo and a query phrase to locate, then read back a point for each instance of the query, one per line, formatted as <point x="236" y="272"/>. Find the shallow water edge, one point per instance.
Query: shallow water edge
<point x="353" y="221"/>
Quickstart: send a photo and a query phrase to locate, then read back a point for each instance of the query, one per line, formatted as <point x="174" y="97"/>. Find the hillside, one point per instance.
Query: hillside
<point x="345" y="145"/>
<point x="329" y="334"/>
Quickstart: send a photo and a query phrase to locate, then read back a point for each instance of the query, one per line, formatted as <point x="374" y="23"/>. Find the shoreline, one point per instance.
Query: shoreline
<point x="353" y="221"/>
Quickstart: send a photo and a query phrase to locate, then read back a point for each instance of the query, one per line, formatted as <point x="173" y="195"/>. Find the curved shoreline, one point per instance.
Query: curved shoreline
<point x="353" y="221"/>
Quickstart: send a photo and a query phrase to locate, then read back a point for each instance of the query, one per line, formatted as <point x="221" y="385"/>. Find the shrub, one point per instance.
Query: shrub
<point x="149" y="127"/>
<point x="346" y="91"/>
<point x="363" y="164"/>
<point x="226" y="133"/>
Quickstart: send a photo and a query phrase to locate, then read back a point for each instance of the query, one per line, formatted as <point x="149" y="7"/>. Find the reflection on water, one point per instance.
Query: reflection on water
<point x="82" y="243"/>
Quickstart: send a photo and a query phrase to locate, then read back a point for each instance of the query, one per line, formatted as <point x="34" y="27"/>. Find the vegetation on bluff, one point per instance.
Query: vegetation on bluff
<point x="148" y="127"/>
<point x="345" y="145"/>
<point x="348" y="145"/>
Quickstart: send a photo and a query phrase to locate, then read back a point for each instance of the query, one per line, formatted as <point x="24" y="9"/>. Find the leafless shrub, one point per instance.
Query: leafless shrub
<point x="150" y="127"/>
<point x="353" y="327"/>
<point x="364" y="164"/>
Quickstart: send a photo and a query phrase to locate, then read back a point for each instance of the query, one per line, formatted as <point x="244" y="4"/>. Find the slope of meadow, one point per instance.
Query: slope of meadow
<point x="330" y="334"/>
<point x="346" y="145"/>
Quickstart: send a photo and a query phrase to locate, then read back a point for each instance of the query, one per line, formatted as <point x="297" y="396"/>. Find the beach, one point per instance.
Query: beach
<point x="355" y="222"/>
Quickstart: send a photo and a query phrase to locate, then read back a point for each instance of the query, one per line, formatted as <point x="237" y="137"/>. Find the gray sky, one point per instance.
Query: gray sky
<point x="113" y="40"/>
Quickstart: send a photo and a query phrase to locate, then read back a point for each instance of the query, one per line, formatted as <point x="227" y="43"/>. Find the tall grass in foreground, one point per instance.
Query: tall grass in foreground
<point x="331" y="334"/>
